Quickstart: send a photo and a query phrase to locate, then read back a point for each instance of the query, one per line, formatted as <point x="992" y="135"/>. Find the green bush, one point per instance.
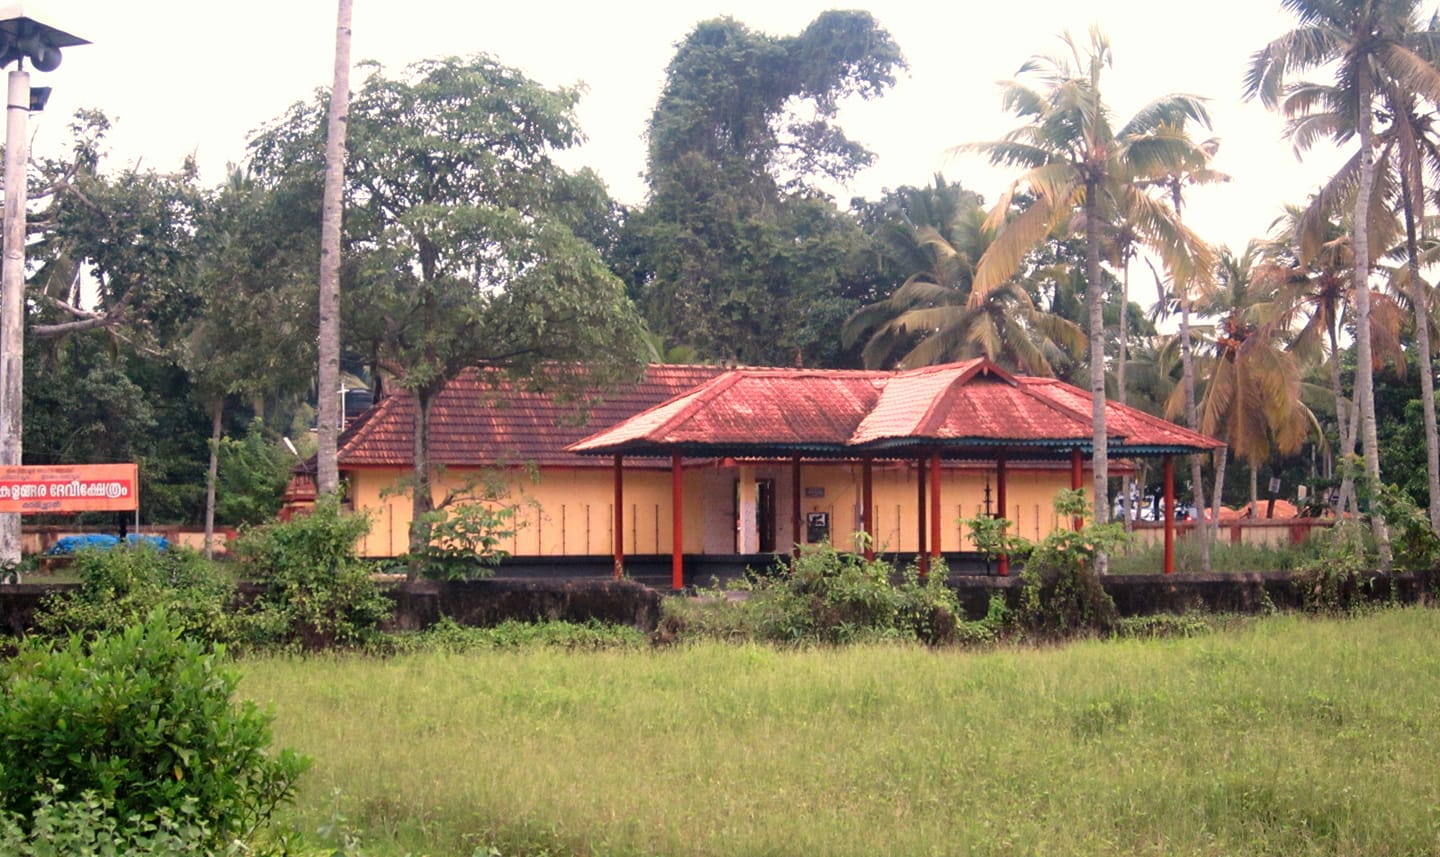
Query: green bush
<point x="316" y="591"/>
<point x="824" y="596"/>
<point x="89" y="827"/>
<point x="1062" y="593"/>
<point x="139" y="723"/>
<point x="119" y="587"/>
<point x="465" y="541"/>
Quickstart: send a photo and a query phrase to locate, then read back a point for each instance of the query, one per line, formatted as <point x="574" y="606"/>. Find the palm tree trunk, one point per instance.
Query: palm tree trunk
<point x="217" y="411"/>
<point x="1345" y="498"/>
<point x="1414" y="191"/>
<point x="1099" y="458"/>
<point x="1254" y="490"/>
<point x="328" y="347"/>
<point x="1221" y="455"/>
<point x="1364" y="355"/>
<point x="1120" y="361"/>
<point x="1192" y="419"/>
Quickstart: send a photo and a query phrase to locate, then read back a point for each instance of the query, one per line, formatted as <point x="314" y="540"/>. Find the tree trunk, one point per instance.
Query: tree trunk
<point x="1192" y="419"/>
<point x="1099" y="458"/>
<point x="217" y="412"/>
<point x="1221" y="455"/>
<point x="1414" y="193"/>
<point x="328" y="347"/>
<point x="422" y="501"/>
<point x="1254" y="489"/>
<point x="1344" y="498"/>
<point x="1120" y="362"/>
<point x="1364" y="354"/>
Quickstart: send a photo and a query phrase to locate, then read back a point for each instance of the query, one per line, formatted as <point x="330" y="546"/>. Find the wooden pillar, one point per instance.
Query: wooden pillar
<point x="1000" y="500"/>
<point x="922" y="553"/>
<point x="619" y="518"/>
<point x="795" y="505"/>
<point x="677" y="528"/>
<point x="867" y="508"/>
<point x="1169" y="469"/>
<point x="935" y="504"/>
<point x="1075" y="484"/>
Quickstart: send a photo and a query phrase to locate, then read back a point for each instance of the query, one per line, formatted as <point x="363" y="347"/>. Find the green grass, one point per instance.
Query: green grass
<point x="1288" y="735"/>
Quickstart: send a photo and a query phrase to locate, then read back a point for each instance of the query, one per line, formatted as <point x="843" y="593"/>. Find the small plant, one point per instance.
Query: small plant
<point x="317" y="591"/>
<point x="465" y="541"/>
<point x="139" y="726"/>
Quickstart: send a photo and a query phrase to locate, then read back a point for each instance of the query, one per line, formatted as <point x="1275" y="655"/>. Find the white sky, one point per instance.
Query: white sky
<point x="183" y="76"/>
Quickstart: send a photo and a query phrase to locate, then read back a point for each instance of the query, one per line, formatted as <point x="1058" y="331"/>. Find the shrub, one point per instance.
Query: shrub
<point x="465" y="541"/>
<point x="1062" y="593"/>
<point x="824" y="596"/>
<point x="140" y="724"/>
<point x="120" y="586"/>
<point x="317" y="591"/>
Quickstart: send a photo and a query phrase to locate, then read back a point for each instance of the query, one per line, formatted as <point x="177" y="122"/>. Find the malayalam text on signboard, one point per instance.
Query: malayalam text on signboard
<point x="36" y="489"/>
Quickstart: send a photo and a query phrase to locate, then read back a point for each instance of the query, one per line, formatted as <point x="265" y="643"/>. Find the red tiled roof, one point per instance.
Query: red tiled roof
<point x="974" y="404"/>
<point x="473" y="423"/>
<point x="772" y="407"/>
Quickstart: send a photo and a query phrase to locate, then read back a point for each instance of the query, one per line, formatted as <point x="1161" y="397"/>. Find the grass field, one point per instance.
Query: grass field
<point x="1287" y="735"/>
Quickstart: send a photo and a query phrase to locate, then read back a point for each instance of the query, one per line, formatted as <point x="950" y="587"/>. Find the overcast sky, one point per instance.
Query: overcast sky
<point x="196" y="76"/>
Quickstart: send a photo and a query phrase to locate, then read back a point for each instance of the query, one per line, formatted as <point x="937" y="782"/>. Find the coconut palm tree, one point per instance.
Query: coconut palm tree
<point x="1250" y="392"/>
<point x="934" y="239"/>
<point x="1081" y="171"/>
<point x="1366" y="42"/>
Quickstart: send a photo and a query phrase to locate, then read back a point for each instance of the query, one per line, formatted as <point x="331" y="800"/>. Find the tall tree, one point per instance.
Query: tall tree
<point x="739" y="251"/>
<point x="328" y="375"/>
<point x="1083" y="171"/>
<point x="467" y="237"/>
<point x="933" y="238"/>
<point x="1365" y="42"/>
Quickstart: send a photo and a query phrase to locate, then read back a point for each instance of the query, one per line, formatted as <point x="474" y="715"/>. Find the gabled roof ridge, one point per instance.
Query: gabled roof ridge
<point x="697" y="396"/>
<point x="965" y="372"/>
<point x="363" y="426"/>
<point x="1080" y="416"/>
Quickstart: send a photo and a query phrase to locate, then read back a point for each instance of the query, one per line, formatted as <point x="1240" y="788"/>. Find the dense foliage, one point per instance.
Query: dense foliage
<point x="140" y="724"/>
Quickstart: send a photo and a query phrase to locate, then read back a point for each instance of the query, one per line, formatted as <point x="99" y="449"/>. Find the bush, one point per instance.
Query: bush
<point x="120" y="586"/>
<point x="1062" y="593"/>
<point x="825" y="596"/>
<point x="317" y="591"/>
<point x="140" y="724"/>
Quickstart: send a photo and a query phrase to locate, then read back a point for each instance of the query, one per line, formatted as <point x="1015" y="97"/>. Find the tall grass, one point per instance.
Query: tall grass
<point x="1291" y="735"/>
<point x="1224" y="557"/>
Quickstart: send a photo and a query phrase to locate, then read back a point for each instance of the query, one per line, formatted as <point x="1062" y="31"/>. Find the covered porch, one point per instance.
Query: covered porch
<point x="933" y="423"/>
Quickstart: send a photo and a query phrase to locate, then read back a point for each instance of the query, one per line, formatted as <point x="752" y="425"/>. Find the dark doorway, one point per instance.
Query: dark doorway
<point x="764" y="522"/>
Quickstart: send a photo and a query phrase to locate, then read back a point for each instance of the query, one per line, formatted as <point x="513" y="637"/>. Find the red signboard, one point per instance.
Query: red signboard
<point x="36" y="489"/>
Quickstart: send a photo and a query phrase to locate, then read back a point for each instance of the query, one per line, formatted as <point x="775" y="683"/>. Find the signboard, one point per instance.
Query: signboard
<point x="45" y="488"/>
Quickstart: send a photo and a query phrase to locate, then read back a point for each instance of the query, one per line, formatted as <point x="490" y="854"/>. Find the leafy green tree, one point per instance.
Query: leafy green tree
<point x="739" y="252"/>
<point x="933" y="240"/>
<point x="465" y="236"/>
<point x="1075" y="162"/>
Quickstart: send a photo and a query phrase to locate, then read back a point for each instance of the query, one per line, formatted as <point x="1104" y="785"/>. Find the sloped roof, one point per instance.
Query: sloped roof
<point x="973" y="405"/>
<point x="474" y="423"/>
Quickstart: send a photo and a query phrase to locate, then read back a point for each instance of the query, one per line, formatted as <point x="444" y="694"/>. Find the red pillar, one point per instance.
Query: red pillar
<point x="795" y="504"/>
<point x="1000" y="500"/>
<point x="619" y="519"/>
<point x="1075" y="477"/>
<point x="934" y="504"/>
<point x="922" y="553"/>
<point x="677" y="518"/>
<point x="1169" y="468"/>
<point x="867" y="511"/>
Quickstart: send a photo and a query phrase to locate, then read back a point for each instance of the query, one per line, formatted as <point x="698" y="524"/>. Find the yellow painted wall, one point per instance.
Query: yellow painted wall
<point x="570" y="512"/>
